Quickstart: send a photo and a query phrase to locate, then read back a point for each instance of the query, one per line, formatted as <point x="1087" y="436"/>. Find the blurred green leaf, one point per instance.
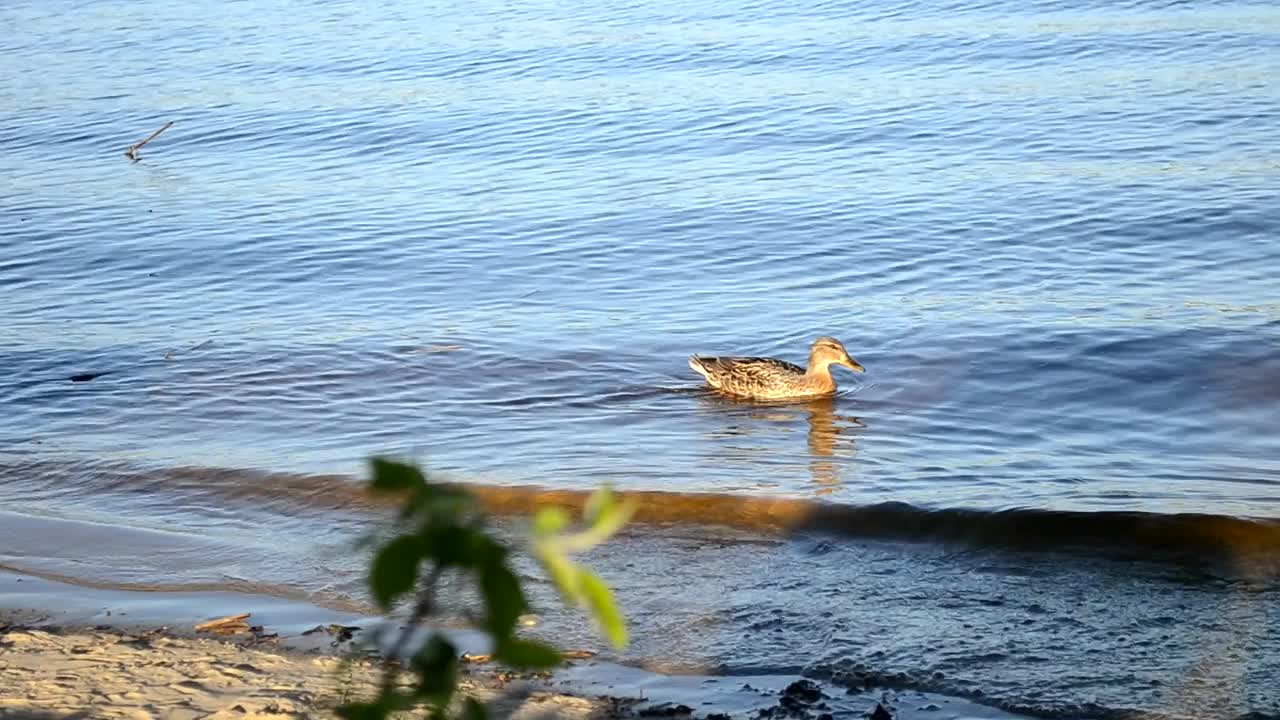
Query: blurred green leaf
<point x="451" y="545"/>
<point x="392" y="476"/>
<point x="449" y="533"/>
<point x="550" y="520"/>
<point x="362" y="711"/>
<point x="610" y="518"/>
<point x="389" y="701"/>
<point x="605" y="516"/>
<point x="563" y="572"/>
<point x="527" y="654"/>
<point x="503" y="598"/>
<point x="395" y="569"/>
<point x="600" y="600"/>
<point x="437" y="667"/>
<point x="600" y="501"/>
<point x="447" y="505"/>
<point x="473" y="709"/>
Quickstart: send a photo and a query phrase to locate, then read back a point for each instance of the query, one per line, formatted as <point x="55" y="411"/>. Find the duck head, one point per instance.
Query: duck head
<point x="828" y="351"/>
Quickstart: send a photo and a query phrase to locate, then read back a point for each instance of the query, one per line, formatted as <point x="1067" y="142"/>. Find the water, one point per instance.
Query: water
<point x="488" y="236"/>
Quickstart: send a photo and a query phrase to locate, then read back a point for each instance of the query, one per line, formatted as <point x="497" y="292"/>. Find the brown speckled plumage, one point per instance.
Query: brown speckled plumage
<point x="772" y="379"/>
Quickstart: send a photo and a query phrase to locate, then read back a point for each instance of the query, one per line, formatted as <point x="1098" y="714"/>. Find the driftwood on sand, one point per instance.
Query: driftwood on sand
<point x="229" y="625"/>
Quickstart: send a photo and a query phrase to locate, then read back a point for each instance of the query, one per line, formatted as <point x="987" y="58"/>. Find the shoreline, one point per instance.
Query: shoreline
<point x="70" y="651"/>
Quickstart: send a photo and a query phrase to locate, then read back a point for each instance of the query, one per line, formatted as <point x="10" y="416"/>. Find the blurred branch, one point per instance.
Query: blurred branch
<point x="442" y="530"/>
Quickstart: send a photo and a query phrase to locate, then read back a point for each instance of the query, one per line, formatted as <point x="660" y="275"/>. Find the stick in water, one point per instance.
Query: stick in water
<point x="132" y="152"/>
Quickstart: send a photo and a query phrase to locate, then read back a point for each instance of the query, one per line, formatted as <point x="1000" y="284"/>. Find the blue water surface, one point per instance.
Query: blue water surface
<point x="489" y="234"/>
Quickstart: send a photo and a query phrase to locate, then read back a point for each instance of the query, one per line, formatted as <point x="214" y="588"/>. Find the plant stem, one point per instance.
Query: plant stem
<point x="424" y="607"/>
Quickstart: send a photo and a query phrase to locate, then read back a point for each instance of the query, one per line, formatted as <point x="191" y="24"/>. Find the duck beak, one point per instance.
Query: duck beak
<point x="853" y="365"/>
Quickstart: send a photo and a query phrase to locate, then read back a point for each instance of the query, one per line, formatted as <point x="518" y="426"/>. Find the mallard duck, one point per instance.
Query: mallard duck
<point x="771" y="379"/>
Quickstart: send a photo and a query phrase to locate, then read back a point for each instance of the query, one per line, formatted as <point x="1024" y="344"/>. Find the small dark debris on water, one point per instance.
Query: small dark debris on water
<point x="340" y="633"/>
<point x="144" y="639"/>
<point x="85" y="377"/>
<point x="822" y="547"/>
<point x="800" y="699"/>
<point x="881" y="713"/>
<point x="260" y="635"/>
<point x="793" y="705"/>
<point x="803" y="690"/>
<point x="665" y="710"/>
<point x="619" y="707"/>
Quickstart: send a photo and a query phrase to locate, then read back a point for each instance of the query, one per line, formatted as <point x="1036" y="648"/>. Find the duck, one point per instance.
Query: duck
<point x="762" y="378"/>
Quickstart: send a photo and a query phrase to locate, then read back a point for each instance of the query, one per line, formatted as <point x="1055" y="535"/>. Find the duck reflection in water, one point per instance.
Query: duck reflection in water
<point x="753" y="429"/>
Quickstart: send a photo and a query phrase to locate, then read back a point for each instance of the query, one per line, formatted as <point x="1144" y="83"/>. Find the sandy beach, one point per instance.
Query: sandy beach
<point x="87" y="673"/>
<point x="68" y="651"/>
<point x="71" y="652"/>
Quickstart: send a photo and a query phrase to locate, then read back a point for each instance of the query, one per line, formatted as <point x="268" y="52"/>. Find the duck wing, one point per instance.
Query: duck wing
<point x="745" y="374"/>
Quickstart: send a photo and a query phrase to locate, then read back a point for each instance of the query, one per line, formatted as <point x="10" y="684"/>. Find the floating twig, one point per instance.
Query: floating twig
<point x="132" y="152"/>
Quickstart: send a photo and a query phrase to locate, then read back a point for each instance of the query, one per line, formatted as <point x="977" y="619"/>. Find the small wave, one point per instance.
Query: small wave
<point x="1142" y="533"/>
<point x="1194" y="536"/>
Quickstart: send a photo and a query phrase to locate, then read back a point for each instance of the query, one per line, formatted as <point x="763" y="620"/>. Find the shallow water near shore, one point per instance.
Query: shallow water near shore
<point x="488" y="236"/>
<point x="1082" y="628"/>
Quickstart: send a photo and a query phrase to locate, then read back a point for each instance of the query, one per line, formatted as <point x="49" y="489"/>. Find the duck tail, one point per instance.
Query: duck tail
<point x="695" y="363"/>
